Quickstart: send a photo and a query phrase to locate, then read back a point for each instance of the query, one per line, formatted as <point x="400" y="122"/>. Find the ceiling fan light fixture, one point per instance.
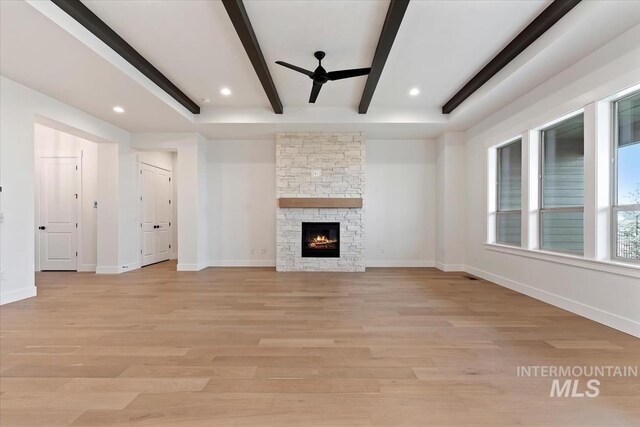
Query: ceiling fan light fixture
<point x="414" y="91"/>
<point x="225" y="91"/>
<point x="320" y="76"/>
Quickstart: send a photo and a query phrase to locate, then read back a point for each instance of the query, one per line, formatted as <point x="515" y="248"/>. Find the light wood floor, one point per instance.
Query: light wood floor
<point x="251" y="347"/>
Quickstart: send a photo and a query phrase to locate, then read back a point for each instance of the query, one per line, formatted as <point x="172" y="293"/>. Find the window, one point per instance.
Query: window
<point x="626" y="179"/>
<point x="509" y="194"/>
<point x="562" y="186"/>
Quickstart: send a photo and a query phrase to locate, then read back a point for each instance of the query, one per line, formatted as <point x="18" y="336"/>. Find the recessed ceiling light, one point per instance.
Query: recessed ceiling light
<point x="225" y="91"/>
<point x="414" y="91"/>
<point x="118" y="109"/>
<point x="205" y="100"/>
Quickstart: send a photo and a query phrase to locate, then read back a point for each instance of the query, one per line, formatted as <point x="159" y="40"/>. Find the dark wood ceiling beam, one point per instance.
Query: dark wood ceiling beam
<point x="98" y="28"/>
<point x="242" y="24"/>
<point x="552" y="14"/>
<point x="392" y="22"/>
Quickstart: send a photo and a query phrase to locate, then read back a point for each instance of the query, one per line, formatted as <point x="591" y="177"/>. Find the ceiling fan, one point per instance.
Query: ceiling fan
<point x="320" y="76"/>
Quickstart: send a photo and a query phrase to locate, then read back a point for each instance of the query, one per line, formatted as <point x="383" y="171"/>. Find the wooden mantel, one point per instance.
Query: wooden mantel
<point x="320" y="202"/>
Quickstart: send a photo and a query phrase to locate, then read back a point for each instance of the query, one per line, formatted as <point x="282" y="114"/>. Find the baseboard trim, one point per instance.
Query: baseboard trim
<point x="116" y="269"/>
<point x="107" y="269"/>
<point x="449" y="267"/>
<point x="243" y="263"/>
<point x="612" y="320"/>
<point x="18" y="295"/>
<point x="191" y="267"/>
<point x="129" y="267"/>
<point x="87" y="268"/>
<point x="399" y="263"/>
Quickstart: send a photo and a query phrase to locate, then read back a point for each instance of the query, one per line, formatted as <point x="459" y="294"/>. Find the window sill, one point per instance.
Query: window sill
<point x="613" y="267"/>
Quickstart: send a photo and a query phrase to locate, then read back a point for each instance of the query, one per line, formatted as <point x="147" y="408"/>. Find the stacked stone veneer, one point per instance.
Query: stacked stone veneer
<point x="340" y="158"/>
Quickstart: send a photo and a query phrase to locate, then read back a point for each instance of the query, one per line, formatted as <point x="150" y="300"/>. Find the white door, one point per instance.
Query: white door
<point x="148" y="201"/>
<point x="163" y="215"/>
<point x="58" y="213"/>
<point x="155" y="186"/>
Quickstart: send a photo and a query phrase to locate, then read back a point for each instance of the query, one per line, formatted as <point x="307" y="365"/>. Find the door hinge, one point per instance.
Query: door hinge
<point x="140" y="251"/>
<point x="140" y="198"/>
<point x="76" y="196"/>
<point x="169" y="224"/>
<point x="140" y="225"/>
<point x="140" y="171"/>
<point x="76" y="253"/>
<point x="169" y="246"/>
<point x="76" y="225"/>
<point x="76" y="167"/>
<point x="169" y="201"/>
<point x="169" y="179"/>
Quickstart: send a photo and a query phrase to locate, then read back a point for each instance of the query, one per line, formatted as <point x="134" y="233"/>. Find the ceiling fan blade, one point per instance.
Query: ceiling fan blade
<point x="345" y="74"/>
<point x="315" y="90"/>
<point x="295" y="68"/>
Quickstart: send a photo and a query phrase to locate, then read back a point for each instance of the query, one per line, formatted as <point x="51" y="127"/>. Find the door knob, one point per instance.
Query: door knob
<point x="42" y="227"/>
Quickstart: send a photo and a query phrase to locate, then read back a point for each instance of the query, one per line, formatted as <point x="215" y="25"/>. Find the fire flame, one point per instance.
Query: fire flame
<point x="321" y="242"/>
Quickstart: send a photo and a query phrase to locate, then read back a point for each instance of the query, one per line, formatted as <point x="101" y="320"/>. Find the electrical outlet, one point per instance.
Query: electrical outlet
<point x="316" y="173"/>
<point x="2" y="276"/>
<point x="264" y="251"/>
<point x="253" y="251"/>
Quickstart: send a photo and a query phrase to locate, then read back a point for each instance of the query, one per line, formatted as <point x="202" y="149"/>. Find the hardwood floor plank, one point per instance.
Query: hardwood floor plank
<point x="137" y="385"/>
<point x="584" y="344"/>
<point x="65" y="401"/>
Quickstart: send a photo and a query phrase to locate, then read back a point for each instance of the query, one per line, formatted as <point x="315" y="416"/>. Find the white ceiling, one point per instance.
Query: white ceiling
<point x="291" y="31"/>
<point x="38" y="53"/>
<point x="440" y="45"/>
<point x="193" y="43"/>
<point x="443" y="44"/>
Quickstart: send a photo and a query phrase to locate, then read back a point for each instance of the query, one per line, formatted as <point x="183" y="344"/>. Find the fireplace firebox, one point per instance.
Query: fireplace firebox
<point x="321" y="239"/>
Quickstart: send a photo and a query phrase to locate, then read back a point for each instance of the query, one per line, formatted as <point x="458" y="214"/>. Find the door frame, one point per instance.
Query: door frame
<point x="140" y="209"/>
<point x="38" y="188"/>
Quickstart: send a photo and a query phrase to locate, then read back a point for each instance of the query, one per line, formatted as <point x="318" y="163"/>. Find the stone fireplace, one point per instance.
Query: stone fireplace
<point x="319" y="229"/>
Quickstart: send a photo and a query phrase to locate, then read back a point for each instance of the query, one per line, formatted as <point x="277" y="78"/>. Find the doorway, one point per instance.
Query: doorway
<point x="65" y="199"/>
<point x="156" y="214"/>
<point x="59" y="192"/>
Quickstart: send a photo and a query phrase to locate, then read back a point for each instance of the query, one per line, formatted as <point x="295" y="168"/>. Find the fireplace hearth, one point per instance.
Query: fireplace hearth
<point x="321" y="240"/>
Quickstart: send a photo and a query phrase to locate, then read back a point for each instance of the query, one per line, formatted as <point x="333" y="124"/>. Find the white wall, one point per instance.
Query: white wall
<point x="399" y="203"/>
<point x="161" y="159"/>
<point x="19" y="108"/>
<point x="450" y="201"/>
<point x="242" y="211"/>
<point x="128" y="206"/>
<point x="52" y="142"/>
<point x="606" y="293"/>
<point x="400" y="195"/>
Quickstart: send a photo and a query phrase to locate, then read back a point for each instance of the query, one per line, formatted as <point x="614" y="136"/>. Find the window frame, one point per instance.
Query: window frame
<point x="615" y="207"/>
<point x="541" y="209"/>
<point x="499" y="212"/>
